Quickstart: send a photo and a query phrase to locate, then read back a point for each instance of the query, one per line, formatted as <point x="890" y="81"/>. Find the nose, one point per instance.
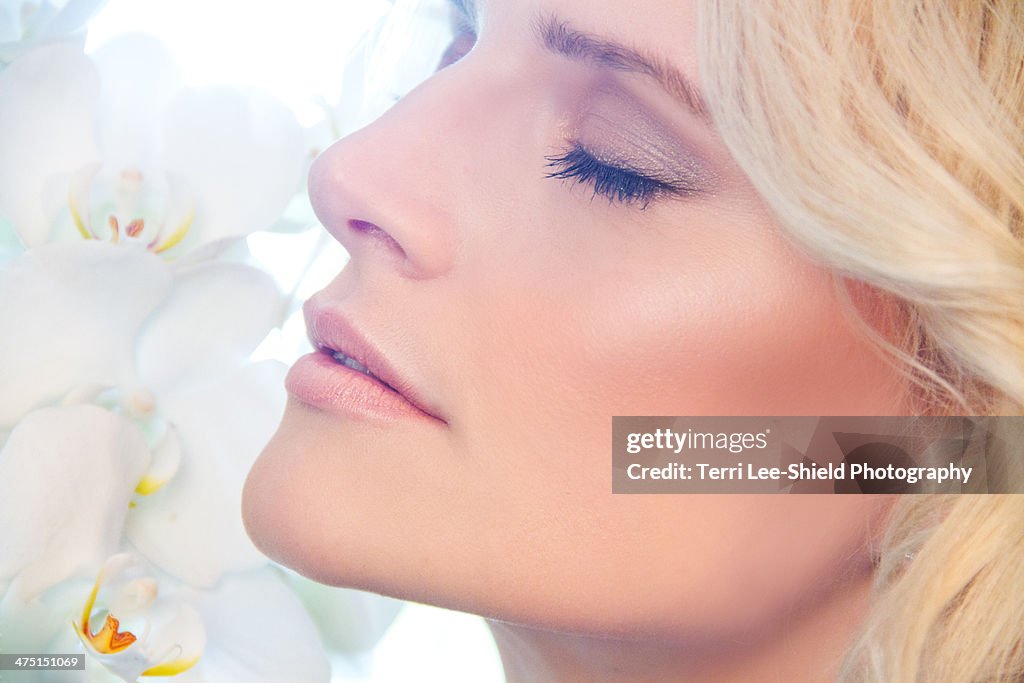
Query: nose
<point x="382" y="191"/>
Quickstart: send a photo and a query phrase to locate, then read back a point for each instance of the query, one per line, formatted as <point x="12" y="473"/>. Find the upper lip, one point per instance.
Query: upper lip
<point x="329" y="331"/>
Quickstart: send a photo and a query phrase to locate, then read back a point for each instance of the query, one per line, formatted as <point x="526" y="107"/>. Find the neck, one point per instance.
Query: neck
<point x="806" y="647"/>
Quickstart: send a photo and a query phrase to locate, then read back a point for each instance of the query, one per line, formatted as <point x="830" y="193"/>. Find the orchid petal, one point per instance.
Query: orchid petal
<point x="73" y="312"/>
<point x="243" y="155"/>
<point x="222" y="248"/>
<point x="31" y="624"/>
<point x="10" y="30"/>
<point x="72" y="17"/>
<point x="66" y="478"/>
<point x="25" y="23"/>
<point x="215" y="316"/>
<point x="47" y="99"/>
<point x="166" y="459"/>
<point x="257" y="632"/>
<point x="139" y="77"/>
<point x="76" y="195"/>
<point x="349" y="621"/>
<point x="10" y="243"/>
<point x="192" y="527"/>
<point x="298" y="216"/>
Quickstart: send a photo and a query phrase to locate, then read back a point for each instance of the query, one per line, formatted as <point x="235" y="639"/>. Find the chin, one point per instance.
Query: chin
<point x="321" y="499"/>
<point x="268" y="504"/>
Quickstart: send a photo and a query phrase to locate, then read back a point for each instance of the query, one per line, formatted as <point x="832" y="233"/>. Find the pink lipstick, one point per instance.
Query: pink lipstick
<point x="348" y="375"/>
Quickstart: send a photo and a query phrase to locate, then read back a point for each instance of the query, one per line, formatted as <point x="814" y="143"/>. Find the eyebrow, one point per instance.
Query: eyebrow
<point x="560" y="38"/>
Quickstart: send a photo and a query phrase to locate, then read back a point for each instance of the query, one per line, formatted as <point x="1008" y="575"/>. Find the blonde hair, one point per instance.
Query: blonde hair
<point x="888" y="138"/>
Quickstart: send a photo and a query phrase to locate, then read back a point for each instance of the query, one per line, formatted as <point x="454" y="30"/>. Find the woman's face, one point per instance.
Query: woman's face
<point x="520" y="312"/>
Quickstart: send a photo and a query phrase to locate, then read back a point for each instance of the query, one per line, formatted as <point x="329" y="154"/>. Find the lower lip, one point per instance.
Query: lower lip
<point x="320" y="381"/>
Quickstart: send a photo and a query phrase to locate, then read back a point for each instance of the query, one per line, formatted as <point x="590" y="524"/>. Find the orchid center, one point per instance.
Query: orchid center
<point x="109" y="639"/>
<point x="130" y="656"/>
<point x="127" y="207"/>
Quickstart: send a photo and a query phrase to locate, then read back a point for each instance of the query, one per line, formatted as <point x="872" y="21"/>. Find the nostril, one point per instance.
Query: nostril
<point x="371" y="230"/>
<point x="367" y="228"/>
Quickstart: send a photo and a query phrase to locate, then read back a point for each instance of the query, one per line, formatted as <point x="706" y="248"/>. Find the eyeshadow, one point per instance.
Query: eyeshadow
<point x="619" y="130"/>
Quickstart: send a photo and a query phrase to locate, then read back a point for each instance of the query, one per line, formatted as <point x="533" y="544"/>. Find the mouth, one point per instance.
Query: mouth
<point x="354" y="375"/>
<point x="350" y="362"/>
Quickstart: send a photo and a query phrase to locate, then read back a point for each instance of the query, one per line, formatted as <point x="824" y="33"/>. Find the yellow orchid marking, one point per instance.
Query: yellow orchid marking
<point x="176" y="236"/>
<point x="108" y="640"/>
<point x="172" y="668"/>
<point x="77" y="218"/>
<point x="148" y="485"/>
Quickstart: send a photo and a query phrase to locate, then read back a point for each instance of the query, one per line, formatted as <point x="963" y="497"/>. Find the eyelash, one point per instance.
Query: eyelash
<point x="618" y="184"/>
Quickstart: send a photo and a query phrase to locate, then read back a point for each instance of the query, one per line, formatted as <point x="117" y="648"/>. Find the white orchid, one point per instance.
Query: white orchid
<point x="167" y="347"/>
<point x="110" y="147"/>
<point x="167" y="407"/>
<point x="129" y="414"/>
<point x="67" y="476"/>
<point x="250" y="628"/>
<point x="25" y="23"/>
<point x="257" y="632"/>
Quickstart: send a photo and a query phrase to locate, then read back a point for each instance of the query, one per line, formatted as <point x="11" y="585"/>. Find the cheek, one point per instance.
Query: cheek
<point x="764" y="339"/>
<point x="698" y="316"/>
<point x="717" y="329"/>
<point x="729" y="321"/>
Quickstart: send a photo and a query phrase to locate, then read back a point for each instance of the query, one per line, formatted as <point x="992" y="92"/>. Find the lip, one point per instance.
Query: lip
<point x="319" y="380"/>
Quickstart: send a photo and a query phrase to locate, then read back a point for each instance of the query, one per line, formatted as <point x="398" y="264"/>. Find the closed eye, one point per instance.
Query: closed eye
<point x="618" y="183"/>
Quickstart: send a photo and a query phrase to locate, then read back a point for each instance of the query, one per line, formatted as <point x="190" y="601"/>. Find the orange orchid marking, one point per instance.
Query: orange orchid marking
<point x="108" y="640"/>
<point x="135" y="227"/>
<point x="114" y="229"/>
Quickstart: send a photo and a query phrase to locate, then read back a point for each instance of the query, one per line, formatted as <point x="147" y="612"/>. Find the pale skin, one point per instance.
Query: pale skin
<point x="528" y="313"/>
